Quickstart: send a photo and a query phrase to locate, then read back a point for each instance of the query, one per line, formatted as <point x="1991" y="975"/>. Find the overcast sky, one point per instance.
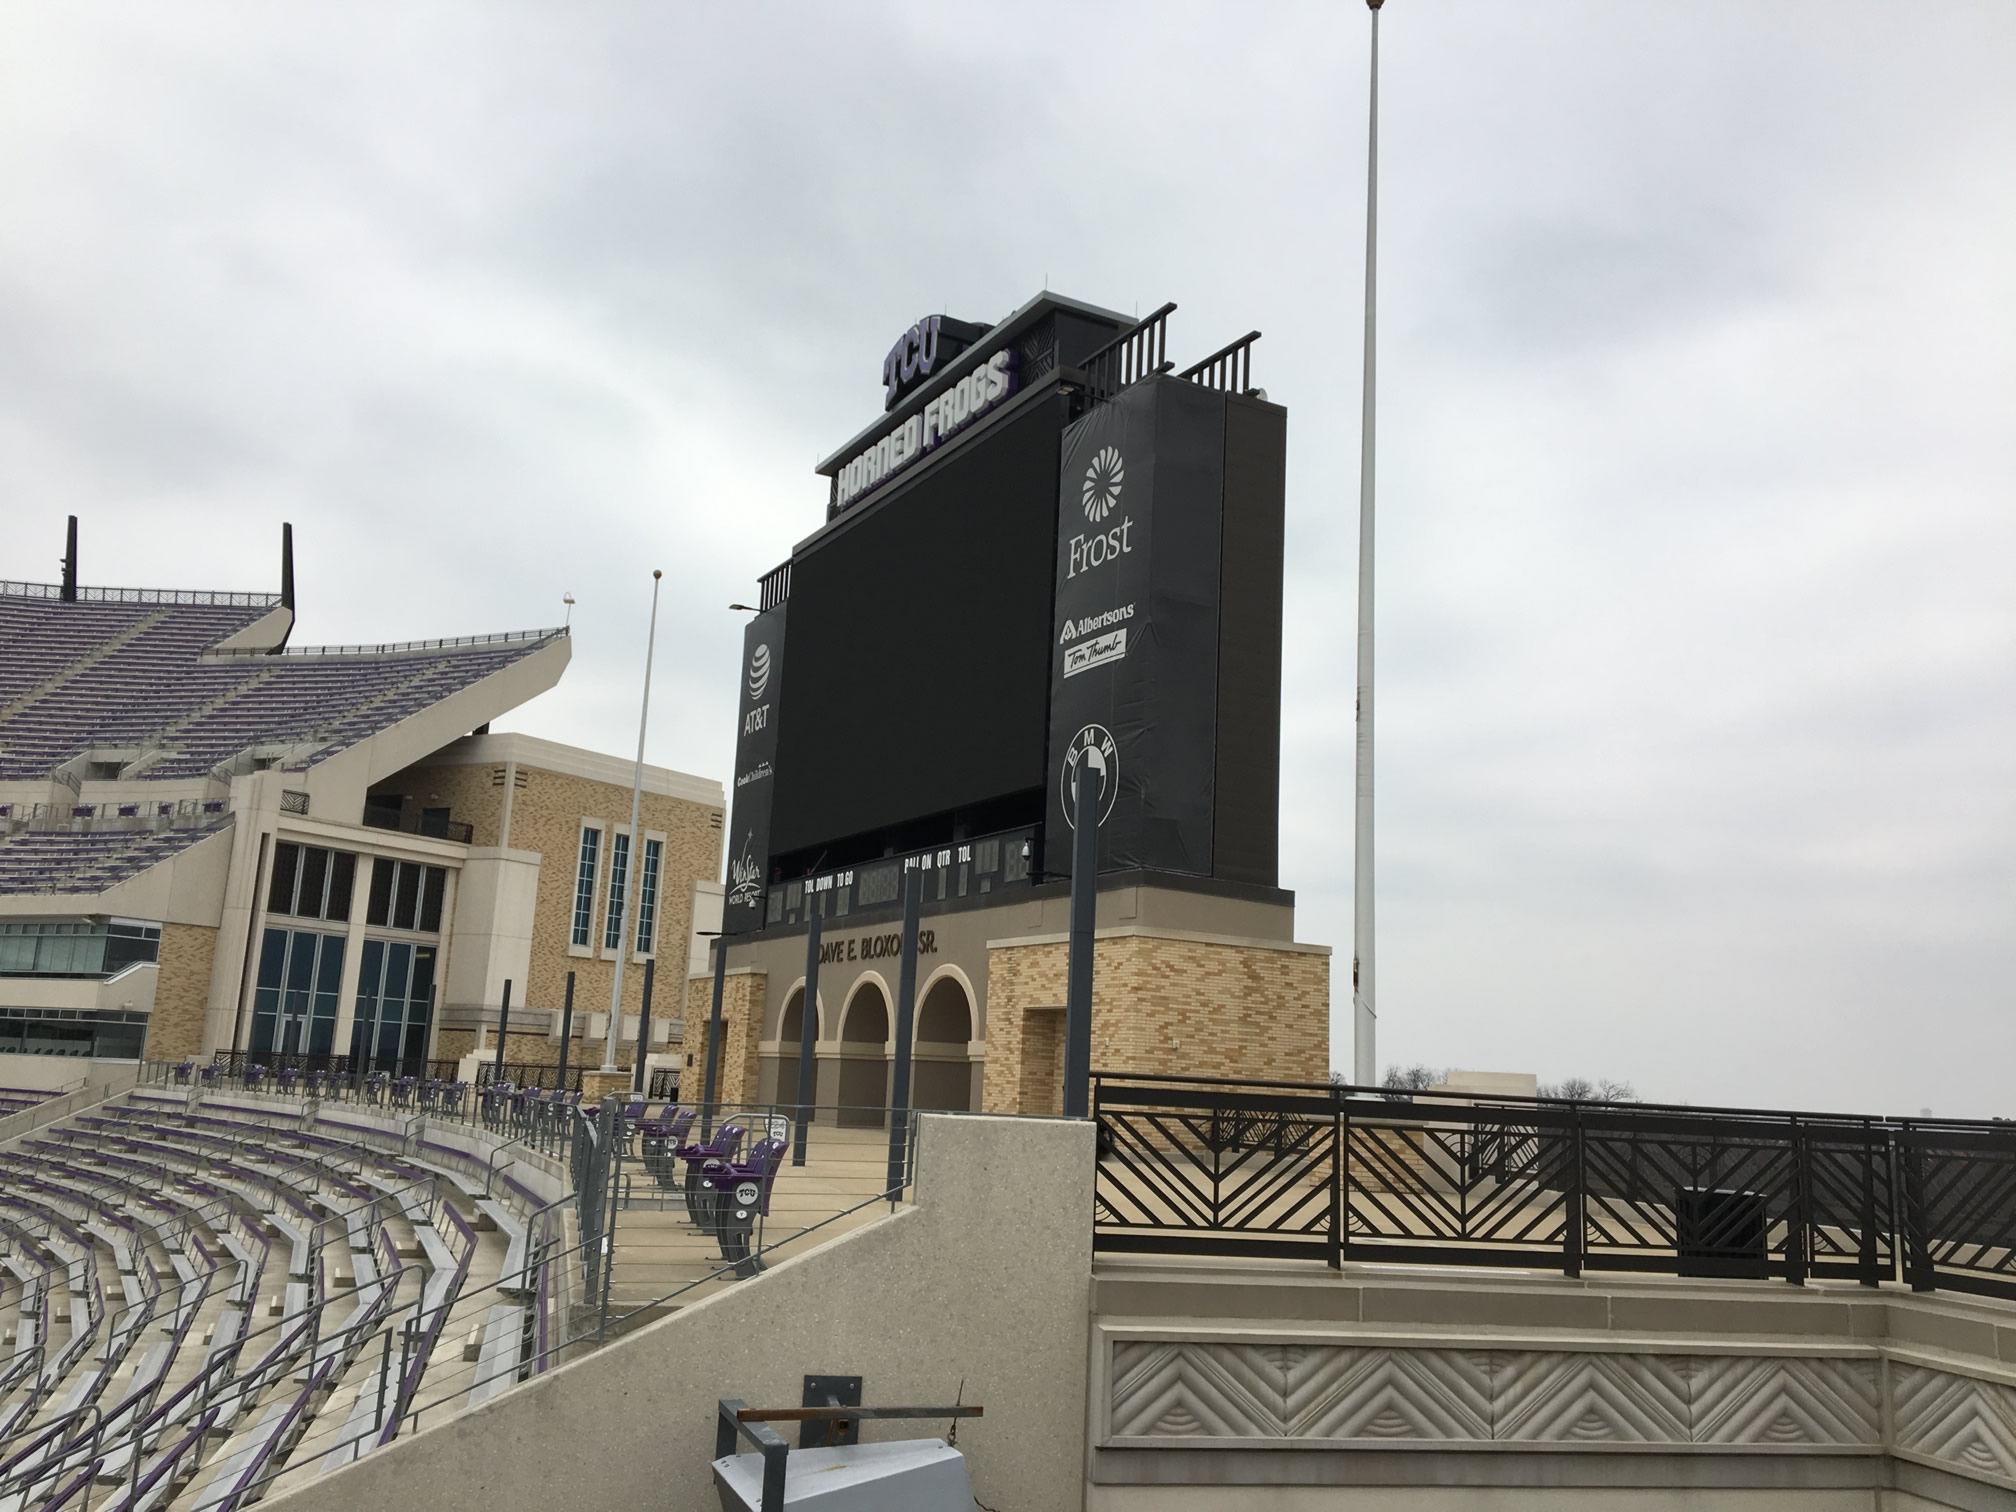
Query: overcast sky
<point x="1697" y="556"/>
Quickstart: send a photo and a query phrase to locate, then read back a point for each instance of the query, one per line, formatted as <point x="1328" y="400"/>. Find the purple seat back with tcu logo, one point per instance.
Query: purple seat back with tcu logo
<point x="766" y="1157"/>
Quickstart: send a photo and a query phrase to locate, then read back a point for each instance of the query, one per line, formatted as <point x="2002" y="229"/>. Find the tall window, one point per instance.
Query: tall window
<point x="647" y="896"/>
<point x="310" y="882"/>
<point x="619" y="876"/>
<point x="395" y="995"/>
<point x="405" y="895"/>
<point x="584" y="887"/>
<point x="294" y="999"/>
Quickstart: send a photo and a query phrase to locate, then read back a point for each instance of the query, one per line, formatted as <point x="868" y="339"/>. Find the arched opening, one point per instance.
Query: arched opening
<point x="942" y="1077"/>
<point x="783" y="1080"/>
<point x="864" y="1057"/>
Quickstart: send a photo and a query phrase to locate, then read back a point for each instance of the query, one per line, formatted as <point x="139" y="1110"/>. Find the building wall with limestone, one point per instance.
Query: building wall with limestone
<point x="742" y="995"/>
<point x="1161" y="1004"/>
<point x="181" y="992"/>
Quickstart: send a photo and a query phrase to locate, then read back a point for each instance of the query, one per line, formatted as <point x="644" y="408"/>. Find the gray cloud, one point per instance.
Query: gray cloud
<point x="1697" y="654"/>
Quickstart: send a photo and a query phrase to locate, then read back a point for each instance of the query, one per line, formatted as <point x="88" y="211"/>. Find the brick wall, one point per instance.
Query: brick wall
<point x="181" y="992"/>
<point x="741" y="1020"/>
<point x="471" y="792"/>
<point x="1159" y="1005"/>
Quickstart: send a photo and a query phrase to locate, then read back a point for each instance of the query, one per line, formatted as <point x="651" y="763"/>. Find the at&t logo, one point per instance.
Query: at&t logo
<point x="1092" y="756"/>
<point x="759" y="672"/>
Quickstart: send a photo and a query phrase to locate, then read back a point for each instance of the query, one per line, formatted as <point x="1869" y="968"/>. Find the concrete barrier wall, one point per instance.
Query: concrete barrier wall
<point x="985" y="1281"/>
<point x="1288" y="1390"/>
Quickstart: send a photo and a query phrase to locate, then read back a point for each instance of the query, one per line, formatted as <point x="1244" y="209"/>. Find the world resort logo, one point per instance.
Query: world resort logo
<point x="759" y="672"/>
<point x="745" y="877"/>
<point x="1102" y="484"/>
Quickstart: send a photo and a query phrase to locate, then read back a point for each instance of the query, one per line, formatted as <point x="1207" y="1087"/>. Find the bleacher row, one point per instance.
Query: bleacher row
<point x="89" y="861"/>
<point x="84" y="675"/>
<point x="204" y="1301"/>
<point x="20" y="1099"/>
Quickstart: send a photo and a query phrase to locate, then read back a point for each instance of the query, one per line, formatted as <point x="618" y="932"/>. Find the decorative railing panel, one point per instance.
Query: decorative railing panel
<point x="1201" y="1166"/>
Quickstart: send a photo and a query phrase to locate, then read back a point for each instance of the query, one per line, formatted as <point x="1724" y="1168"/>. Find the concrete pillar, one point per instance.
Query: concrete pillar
<point x="353" y="955"/>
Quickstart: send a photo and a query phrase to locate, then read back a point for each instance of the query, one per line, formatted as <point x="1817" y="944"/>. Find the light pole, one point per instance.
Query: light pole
<point x="636" y="848"/>
<point x="1364" y="1004"/>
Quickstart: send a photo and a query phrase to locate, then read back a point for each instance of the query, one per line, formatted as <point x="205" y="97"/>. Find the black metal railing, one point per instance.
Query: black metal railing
<point x="1135" y="353"/>
<point x="201" y="596"/>
<point x="1229" y="369"/>
<point x="774" y="587"/>
<point x="526" y="1074"/>
<point x="1283" y="1170"/>
<point x="390" y="648"/>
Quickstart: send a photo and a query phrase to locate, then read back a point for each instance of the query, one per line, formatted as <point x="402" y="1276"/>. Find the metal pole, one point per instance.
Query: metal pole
<point x="906" y="1008"/>
<point x="503" y="1024"/>
<point x="566" y="1033"/>
<point x="643" y="1028"/>
<point x="707" y="1087"/>
<point x="632" y="870"/>
<point x="1365" y="1013"/>
<point x="808" y="1026"/>
<point x="1086" y="802"/>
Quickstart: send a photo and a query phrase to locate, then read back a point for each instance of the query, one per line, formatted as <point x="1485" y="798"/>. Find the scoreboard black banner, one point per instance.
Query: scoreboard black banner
<point x="1134" y="664"/>
<point x="759" y="700"/>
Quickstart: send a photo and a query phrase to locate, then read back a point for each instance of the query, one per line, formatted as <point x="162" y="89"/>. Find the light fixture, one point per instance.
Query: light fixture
<point x="746" y="608"/>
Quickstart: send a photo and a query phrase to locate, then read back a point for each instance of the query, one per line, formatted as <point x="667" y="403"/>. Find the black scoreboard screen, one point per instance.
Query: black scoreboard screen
<point x="917" y="679"/>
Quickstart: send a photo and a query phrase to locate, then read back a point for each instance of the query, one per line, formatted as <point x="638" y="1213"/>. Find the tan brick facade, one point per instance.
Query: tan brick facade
<point x="741" y="1018"/>
<point x="473" y="795"/>
<point x="181" y="992"/>
<point x="1160" y="1005"/>
<point x="546" y="817"/>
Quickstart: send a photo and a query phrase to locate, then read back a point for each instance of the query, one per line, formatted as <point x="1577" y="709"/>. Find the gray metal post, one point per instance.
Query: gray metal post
<point x="503" y="1023"/>
<point x="1364" y="957"/>
<point x="1078" y="980"/>
<point x="808" y="1020"/>
<point x="707" y="1087"/>
<point x="906" y="1008"/>
<point x="566" y="1033"/>
<point x="643" y="1028"/>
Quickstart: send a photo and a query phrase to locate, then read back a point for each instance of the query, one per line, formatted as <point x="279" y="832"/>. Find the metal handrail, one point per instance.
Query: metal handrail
<point x="389" y="648"/>
<point x="11" y="588"/>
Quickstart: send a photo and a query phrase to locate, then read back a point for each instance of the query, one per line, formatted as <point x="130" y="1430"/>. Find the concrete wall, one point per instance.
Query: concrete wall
<point x="1288" y="1388"/>
<point x="914" y="1303"/>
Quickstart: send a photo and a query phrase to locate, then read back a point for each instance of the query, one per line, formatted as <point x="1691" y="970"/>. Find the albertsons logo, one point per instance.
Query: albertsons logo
<point x="1102" y="484"/>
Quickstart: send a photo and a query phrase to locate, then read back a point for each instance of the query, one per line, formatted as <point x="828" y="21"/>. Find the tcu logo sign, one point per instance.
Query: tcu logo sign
<point x="911" y="358"/>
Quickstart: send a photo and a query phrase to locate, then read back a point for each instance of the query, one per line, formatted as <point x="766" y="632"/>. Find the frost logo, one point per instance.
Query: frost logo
<point x="1096" y="755"/>
<point x="745" y="877"/>
<point x="1102" y="484"/>
<point x="759" y="672"/>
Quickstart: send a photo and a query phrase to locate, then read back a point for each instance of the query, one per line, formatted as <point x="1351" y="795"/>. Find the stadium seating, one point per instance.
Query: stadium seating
<point x="89" y="861"/>
<point x="201" y="1303"/>
<point x="85" y="675"/>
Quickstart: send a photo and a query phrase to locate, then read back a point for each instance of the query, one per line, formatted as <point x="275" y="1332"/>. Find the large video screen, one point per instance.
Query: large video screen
<point x="917" y="679"/>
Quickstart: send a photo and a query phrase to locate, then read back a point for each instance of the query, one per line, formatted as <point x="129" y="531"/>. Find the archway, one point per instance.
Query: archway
<point x="942" y="1077"/>
<point x="864" y="1056"/>
<point x="783" y="1082"/>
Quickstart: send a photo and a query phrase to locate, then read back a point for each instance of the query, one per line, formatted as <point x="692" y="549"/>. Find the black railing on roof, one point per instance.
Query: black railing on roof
<point x="774" y="587"/>
<point x="1287" y="1170"/>
<point x="387" y="648"/>
<point x="1135" y="353"/>
<point x="12" y="589"/>
<point x="1229" y="369"/>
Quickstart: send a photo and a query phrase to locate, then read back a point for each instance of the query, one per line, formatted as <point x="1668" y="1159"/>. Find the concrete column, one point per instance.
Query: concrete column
<point x="452" y="885"/>
<point x="255" y="939"/>
<point x="353" y="955"/>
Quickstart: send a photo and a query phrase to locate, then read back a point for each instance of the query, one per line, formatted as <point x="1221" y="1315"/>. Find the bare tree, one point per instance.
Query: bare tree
<point x="1581" y="1089"/>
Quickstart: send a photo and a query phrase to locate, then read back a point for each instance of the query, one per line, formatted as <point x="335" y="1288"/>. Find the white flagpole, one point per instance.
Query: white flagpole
<point x="633" y="867"/>
<point x="1365" y="1013"/>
